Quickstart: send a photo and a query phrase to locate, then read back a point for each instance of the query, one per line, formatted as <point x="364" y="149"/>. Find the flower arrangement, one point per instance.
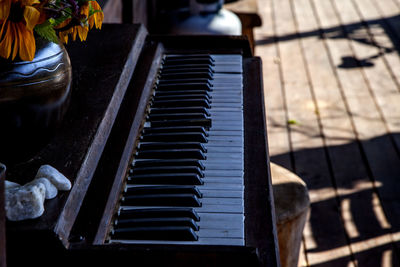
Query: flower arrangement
<point x="54" y="20"/>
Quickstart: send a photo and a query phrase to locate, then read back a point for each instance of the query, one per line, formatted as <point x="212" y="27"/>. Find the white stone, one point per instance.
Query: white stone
<point x="25" y="202"/>
<point x="54" y="176"/>
<point x="51" y="190"/>
<point x="10" y="184"/>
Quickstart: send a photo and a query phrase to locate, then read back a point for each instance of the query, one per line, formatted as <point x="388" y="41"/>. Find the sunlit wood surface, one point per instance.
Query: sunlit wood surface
<point x="332" y="94"/>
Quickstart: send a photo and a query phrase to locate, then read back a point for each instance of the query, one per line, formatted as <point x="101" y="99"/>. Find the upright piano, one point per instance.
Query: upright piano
<point x="165" y="145"/>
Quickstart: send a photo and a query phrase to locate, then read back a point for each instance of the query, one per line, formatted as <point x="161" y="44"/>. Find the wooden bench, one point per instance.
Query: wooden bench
<point x="247" y="11"/>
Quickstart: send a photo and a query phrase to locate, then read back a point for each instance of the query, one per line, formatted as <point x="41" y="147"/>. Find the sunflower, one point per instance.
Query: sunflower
<point x="98" y="17"/>
<point x="17" y="20"/>
<point x="82" y="30"/>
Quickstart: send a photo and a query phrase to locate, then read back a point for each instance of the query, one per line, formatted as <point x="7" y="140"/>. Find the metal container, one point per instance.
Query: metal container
<point x="34" y="96"/>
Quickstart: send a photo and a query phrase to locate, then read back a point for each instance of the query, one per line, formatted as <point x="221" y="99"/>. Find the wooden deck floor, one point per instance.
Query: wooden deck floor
<point x="332" y="92"/>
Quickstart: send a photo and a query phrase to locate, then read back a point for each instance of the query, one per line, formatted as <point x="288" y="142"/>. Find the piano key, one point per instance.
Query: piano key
<point x="176" y="221"/>
<point x="188" y="61"/>
<point x="193" y="102"/>
<point x="202" y="110"/>
<point x="156" y="233"/>
<point x="183" y="122"/>
<point x="174" y="137"/>
<point x="195" y="68"/>
<point x="167" y="162"/>
<point x="186" y="75"/>
<point x="221" y="233"/>
<point x="171" y="145"/>
<point x="167" y="169"/>
<point x="161" y="212"/>
<point x="223" y="173"/>
<point x="200" y="241"/>
<point x="175" y="116"/>
<point x="163" y="189"/>
<point x="197" y="55"/>
<point x="223" y="180"/>
<point x="185" y="86"/>
<point x="166" y="178"/>
<point x="209" y="208"/>
<point x="224" y="193"/>
<point x="181" y="96"/>
<point x="221" y="186"/>
<point x="184" y="81"/>
<point x="171" y="154"/>
<point x="186" y="92"/>
<point x="177" y="200"/>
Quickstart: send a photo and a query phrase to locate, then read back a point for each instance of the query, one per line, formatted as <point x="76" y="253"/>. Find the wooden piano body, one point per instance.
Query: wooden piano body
<point x="113" y="74"/>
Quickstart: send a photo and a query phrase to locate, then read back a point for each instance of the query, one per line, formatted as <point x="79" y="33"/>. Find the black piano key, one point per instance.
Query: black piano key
<point x="185" y="122"/>
<point x="175" y="233"/>
<point x="185" y="86"/>
<point x="167" y="162"/>
<point x="193" y="102"/>
<point x="167" y="169"/>
<point x="186" y="75"/>
<point x="177" y="129"/>
<point x="185" y="92"/>
<point x="197" y="68"/>
<point x="173" y="200"/>
<point x="175" y="212"/>
<point x="174" y="137"/>
<point x="166" y="178"/>
<point x="171" y="154"/>
<point x="163" y="189"/>
<point x="181" y="96"/>
<point x="184" y="81"/>
<point x="197" y="55"/>
<point x="176" y="116"/>
<point x="172" y="145"/>
<point x="188" y="61"/>
<point x="201" y="110"/>
<point x="180" y="221"/>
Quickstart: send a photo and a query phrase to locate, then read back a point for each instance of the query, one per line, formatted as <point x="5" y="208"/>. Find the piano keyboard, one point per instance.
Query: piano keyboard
<point x="185" y="184"/>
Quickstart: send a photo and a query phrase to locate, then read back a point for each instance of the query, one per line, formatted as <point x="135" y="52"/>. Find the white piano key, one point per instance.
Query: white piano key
<point x="220" y="221"/>
<point x="224" y="193"/>
<point x="223" y="173"/>
<point x="222" y="201"/>
<point x="220" y="186"/>
<point x="201" y="241"/>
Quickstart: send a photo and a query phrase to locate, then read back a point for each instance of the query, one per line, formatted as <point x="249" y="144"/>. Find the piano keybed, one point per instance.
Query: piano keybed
<point x="185" y="184"/>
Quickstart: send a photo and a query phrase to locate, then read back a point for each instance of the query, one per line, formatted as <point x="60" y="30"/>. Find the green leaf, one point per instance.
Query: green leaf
<point x="292" y="122"/>
<point x="46" y="31"/>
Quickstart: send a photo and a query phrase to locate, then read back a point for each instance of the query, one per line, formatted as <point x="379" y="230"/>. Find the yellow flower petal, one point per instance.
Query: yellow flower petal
<point x="17" y="37"/>
<point x="31" y="16"/>
<point x="83" y="32"/>
<point x="98" y="17"/>
<point x="6" y="43"/>
<point x="27" y="46"/>
<point x="5" y="6"/>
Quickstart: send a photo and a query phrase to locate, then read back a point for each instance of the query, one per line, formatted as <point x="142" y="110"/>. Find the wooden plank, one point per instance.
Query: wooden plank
<point x="383" y="76"/>
<point x="276" y="115"/>
<point x="366" y="118"/>
<point x="341" y="143"/>
<point x="383" y="19"/>
<point x="308" y="147"/>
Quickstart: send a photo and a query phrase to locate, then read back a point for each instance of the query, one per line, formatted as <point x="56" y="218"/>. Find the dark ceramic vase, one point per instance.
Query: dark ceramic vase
<point x="34" y="96"/>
